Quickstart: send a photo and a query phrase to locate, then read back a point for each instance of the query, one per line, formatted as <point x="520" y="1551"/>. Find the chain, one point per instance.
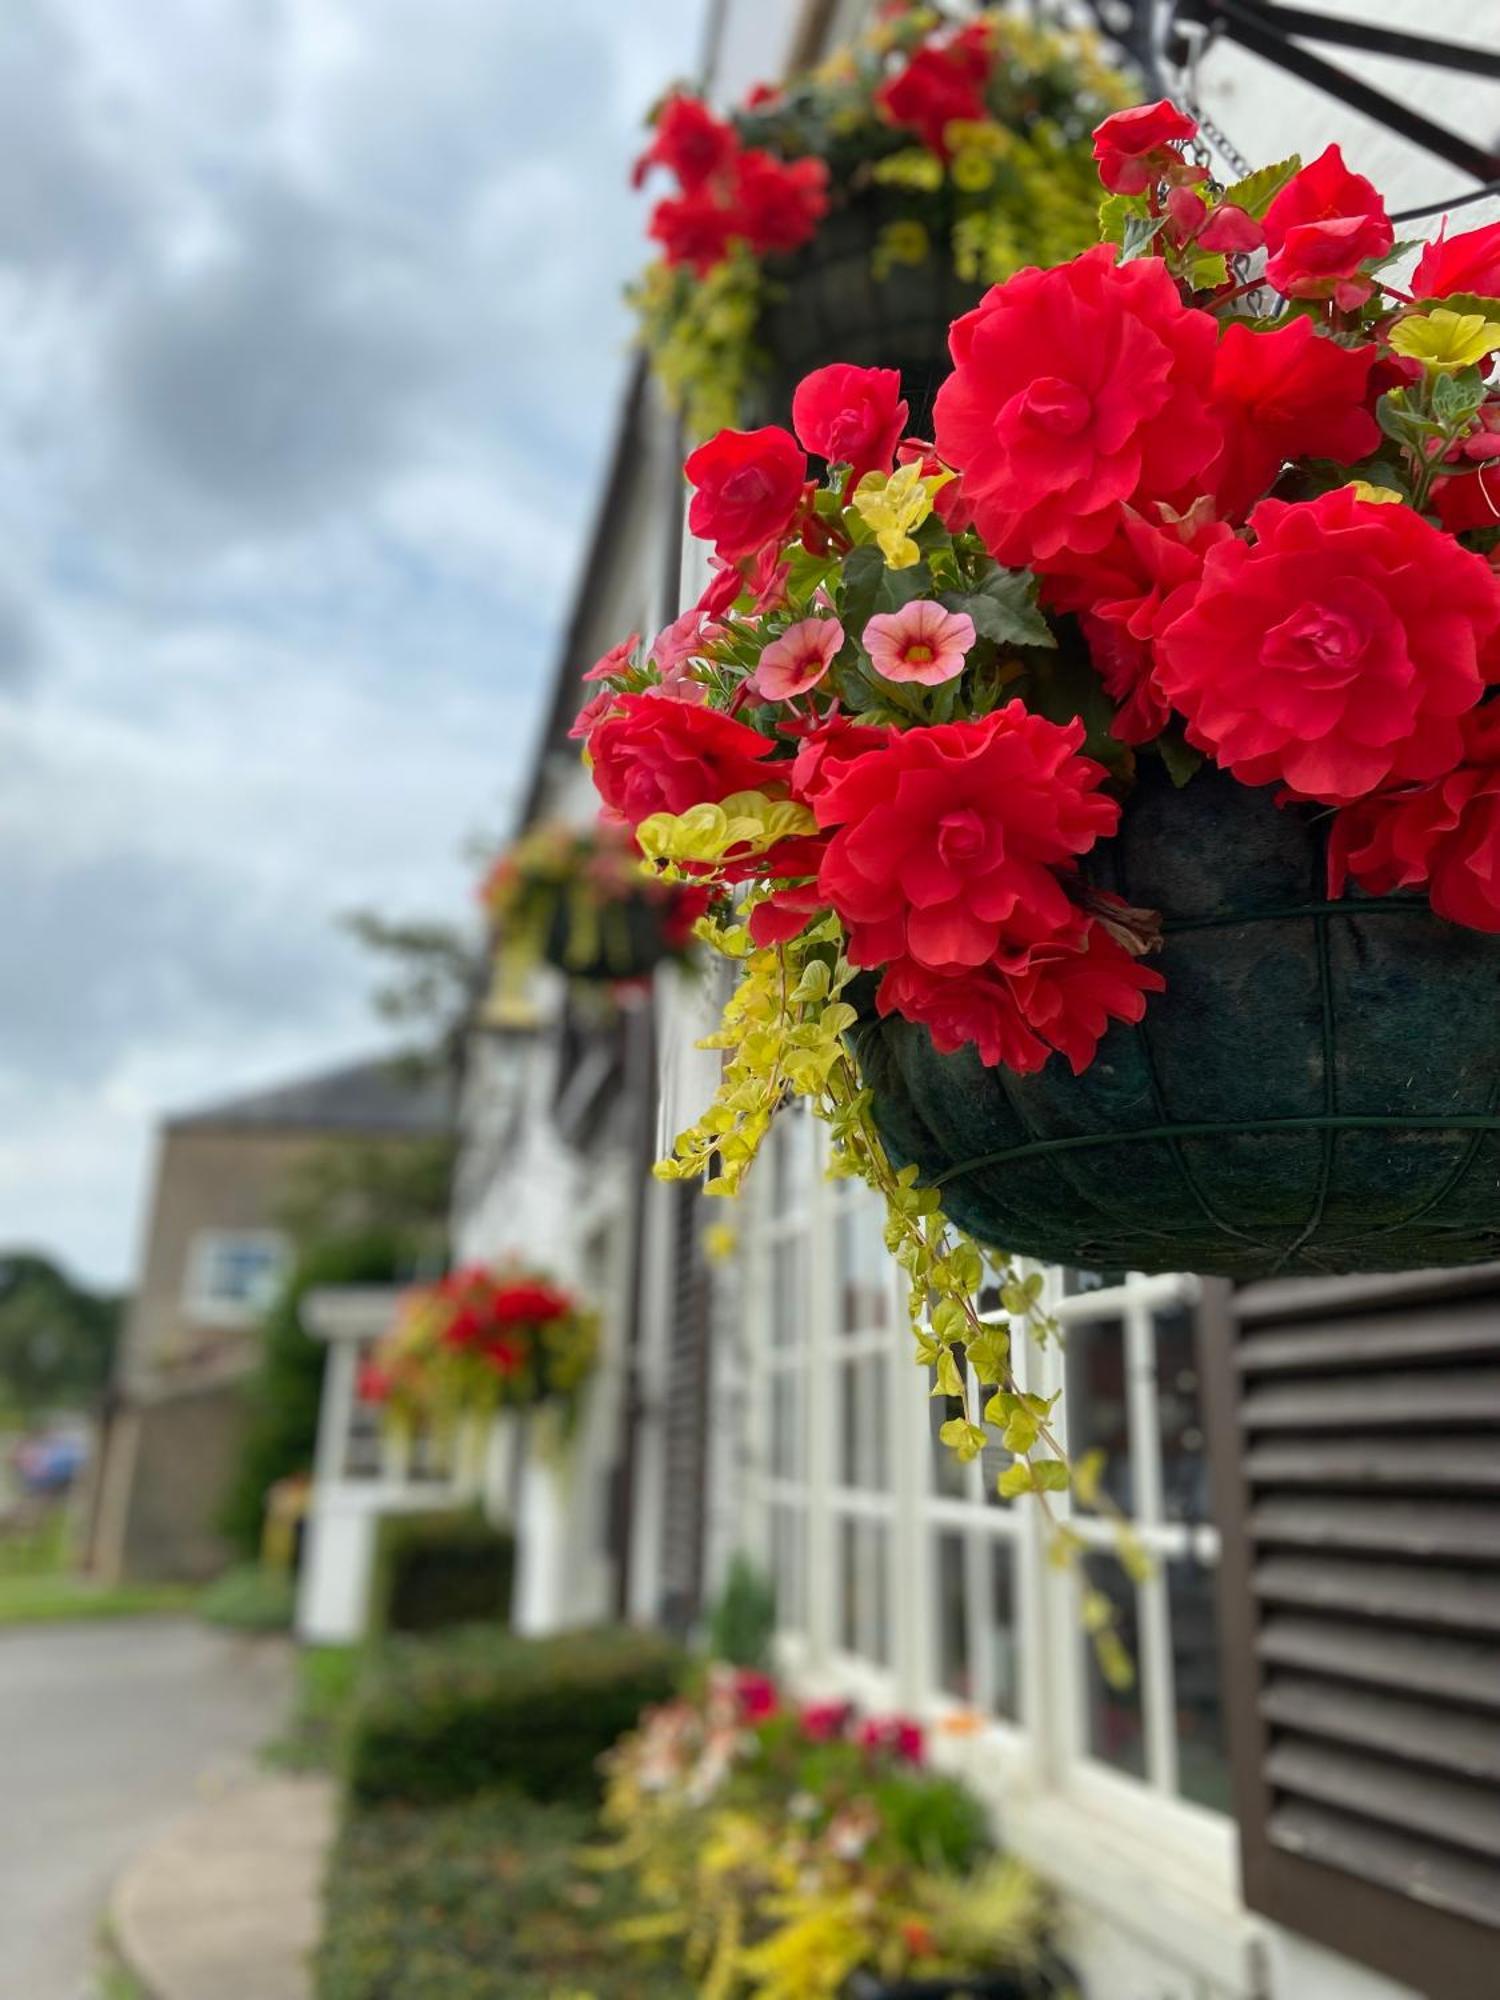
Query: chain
<point x="1198" y="40"/>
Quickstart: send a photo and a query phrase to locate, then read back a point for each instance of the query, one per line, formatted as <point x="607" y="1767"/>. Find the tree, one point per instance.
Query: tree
<point x="57" y="1338"/>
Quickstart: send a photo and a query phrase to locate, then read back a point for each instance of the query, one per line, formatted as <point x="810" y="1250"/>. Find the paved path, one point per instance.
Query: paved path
<point x="229" y="1903"/>
<point x="108" y="1733"/>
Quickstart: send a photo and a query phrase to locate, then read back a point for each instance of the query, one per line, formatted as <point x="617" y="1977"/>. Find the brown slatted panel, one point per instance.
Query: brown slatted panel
<point x="1456" y="1670"/>
<point x="1433" y="1465"/>
<point x="1446" y="1600"/>
<point x="1415" y="1731"/>
<point x="1397" y="1402"/>
<point x="1460" y="1815"/>
<point x="1430" y="1337"/>
<point x="1397" y="1527"/>
<point x="1356" y="1434"/>
<point x="685" y="1428"/>
<point x="1428" y="1875"/>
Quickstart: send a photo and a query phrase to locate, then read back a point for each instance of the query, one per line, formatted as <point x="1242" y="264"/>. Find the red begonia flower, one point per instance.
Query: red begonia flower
<point x="948" y="837"/>
<point x="1337" y="653"/>
<point x="851" y="416"/>
<point x="1322" y="226"/>
<point x="690" y="141"/>
<point x="778" y="204"/>
<point x="1469" y="262"/>
<point x="653" y="756"/>
<point x="943" y="82"/>
<point x="1445" y="834"/>
<point x="694" y="229"/>
<point x="1073" y="391"/>
<point x="1134" y="148"/>
<point x="1288" y="394"/>
<point x="749" y="489"/>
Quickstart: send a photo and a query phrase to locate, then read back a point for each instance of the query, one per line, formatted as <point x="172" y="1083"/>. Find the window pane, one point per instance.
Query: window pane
<point x="786" y="1566"/>
<point x="1098" y="1416"/>
<point x="1114" y="1730"/>
<point x="789" y="1300"/>
<point x="1184" y="1466"/>
<point x="863" y="1264"/>
<point x="864" y="1620"/>
<point x="952" y="1621"/>
<point x="791" y="1162"/>
<point x="786" y="1440"/>
<point x="1005" y="1651"/>
<point x="1202" y="1765"/>
<point x="949" y="1478"/>
<point x="863" y="1454"/>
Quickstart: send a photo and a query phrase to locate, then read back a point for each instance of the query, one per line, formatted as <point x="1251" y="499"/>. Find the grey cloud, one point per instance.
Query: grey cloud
<point x="277" y="381"/>
<point x="21" y="644"/>
<point x="63" y="197"/>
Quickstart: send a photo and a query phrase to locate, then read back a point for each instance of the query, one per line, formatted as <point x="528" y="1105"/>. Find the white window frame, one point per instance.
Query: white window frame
<point x="210" y="1308"/>
<point x="1088" y="1824"/>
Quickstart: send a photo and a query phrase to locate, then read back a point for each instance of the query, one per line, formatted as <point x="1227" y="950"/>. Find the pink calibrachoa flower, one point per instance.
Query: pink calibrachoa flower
<point x="920" y="642"/>
<point x="799" y="659"/>
<point x="615" y="661"/>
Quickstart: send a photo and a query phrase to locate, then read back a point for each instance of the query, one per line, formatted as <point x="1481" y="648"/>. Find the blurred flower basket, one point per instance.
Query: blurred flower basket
<point x="478" y="1342"/>
<point x="801" y="1850"/>
<point x="579" y="899"/>
<point x="853" y="213"/>
<point x="1102" y="804"/>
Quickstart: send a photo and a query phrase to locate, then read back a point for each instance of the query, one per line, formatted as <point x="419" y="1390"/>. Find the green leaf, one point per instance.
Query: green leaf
<point x="1465" y="302"/>
<point x="1021" y="1433"/>
<point x="1117" y="212"/>
<point x="1181" y="759"/>
<point x="1207" y="270"/>
<point x="963" y="1439"/>
<point x="1140" y="233"/>
<point x="1004" y="609"/>
<point x="1255" y="193"/>
<point x="1014" y="1481"/>
<point x="1049" y="1475"/>
<point x="949" y="1381"/>
<point x="1456" y="398"/>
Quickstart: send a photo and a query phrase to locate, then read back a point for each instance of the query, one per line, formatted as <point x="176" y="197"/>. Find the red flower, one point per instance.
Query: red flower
<point x="694" y="229"/>
<point x="528" y="1301"/>
<point x="1466" y="263"/>
<point x="1322" y="226"/>
<point x="749" y="489"/>
<point x="1129" y="593"/>
<point x="1068" y="994"/>
<point x="755" y="1695"/>
<point x="1286" y="395"/>
<point x="778" y="204"/>
<point x="690" y="141"/>
<point x="374" y="1383"/>
<point x="1135" y="148"/>
<point x="785" y="914"/>
<point x="941" y="83"/>
<point x="1074" y="390"/>
<point x="653" y="756"/>
<point x="1338" y="653"/>
<point x="833" y="737"/>
<point x="682" y="910"/>
<point x="963" y="1009"/>
<point x="1471" y="500"/>
<point x="825" y="1721"/>
<point x="948" y="837"/>
<point x="896" y="1735"/>
<point x="851" y="416"/>
<point x="1446" y="834"/>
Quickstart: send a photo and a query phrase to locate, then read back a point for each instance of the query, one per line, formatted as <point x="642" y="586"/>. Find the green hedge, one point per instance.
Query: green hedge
<point x="439" y="1569"/>
<point x="250" y="1598"/>
<point x="479" y="1901"/>
<point x="442" y="1719"/>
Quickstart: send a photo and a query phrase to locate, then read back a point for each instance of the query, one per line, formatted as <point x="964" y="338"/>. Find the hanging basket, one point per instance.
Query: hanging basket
<point x="1317" y="1091"/>
<point x="600" y="943"/>
<point x="827" y="304"/>
<point x="1042" y="1984"/>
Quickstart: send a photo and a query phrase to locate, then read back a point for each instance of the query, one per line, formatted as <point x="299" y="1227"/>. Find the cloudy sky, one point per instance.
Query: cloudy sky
<point x="312" y="345"/>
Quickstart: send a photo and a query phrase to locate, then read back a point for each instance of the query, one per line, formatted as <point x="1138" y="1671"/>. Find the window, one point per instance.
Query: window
<point x="902" y="1571"/>
<point x="233" y="1275"/>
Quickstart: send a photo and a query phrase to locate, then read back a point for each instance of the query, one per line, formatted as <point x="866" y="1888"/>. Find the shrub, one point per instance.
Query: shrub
<point x="317" y="1730"/>
<point x="742" y="1623"/>
<point x="478" y="1901"/>
<point x="441" y="1719"/>
<point x="250" y="1598"/>
<point x="448" y="1567"/>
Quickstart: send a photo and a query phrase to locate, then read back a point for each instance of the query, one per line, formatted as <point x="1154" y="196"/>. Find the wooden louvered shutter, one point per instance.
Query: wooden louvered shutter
<point x="685" y="1417"/>
<point x="1355" y="1438"/>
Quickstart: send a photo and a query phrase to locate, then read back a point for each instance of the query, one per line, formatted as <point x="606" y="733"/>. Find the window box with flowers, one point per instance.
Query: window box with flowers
<point x="854" y="212"/>
<point x="803" y="1852"/>
<point x="1099" y="802"/>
